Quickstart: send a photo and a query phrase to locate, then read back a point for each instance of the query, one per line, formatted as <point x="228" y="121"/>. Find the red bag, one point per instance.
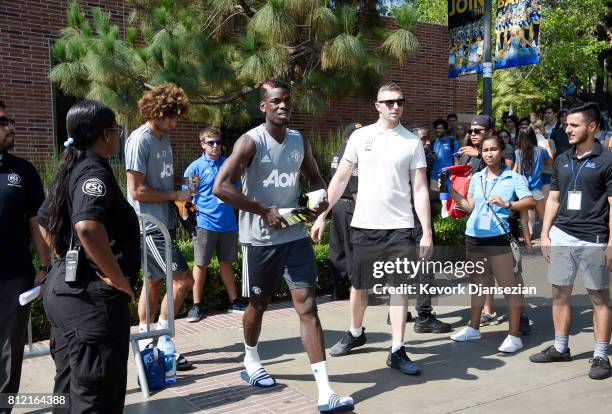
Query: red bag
<point x="460" y="176"/>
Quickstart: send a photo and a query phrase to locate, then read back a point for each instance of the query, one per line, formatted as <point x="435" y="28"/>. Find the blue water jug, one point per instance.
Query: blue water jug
<point x="154" y="365"/>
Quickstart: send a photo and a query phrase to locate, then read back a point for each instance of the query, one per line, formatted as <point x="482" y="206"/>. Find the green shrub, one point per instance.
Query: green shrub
<point x="324" y="149"/>
<point x="449" y="231"/>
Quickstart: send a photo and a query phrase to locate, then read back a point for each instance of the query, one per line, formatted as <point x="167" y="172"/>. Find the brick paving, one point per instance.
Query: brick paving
<point x="214" y="385"/>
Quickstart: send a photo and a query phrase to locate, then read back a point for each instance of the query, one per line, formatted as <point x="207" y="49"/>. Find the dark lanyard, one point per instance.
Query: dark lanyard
<point x="575" y="179"/>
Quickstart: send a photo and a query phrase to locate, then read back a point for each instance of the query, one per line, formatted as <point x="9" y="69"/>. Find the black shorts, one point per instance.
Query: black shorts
<point x="372" y="249"/>
<point x="156" y="255"/>
<point x="488" y="246"/>
<point x="263" y="266"/>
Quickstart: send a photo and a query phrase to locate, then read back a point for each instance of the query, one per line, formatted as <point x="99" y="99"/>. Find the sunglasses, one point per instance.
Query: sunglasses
<point x="4" y="121"/>
<point x="391" y="102"/>
<point x="476" y="131"/>
<point x="118" y="129"/>
<point x="212" y="143"/>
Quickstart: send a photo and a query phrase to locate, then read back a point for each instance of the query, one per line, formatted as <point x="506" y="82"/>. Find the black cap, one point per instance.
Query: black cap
<point x="484" y="121"/>
<point x="350" y="128"/>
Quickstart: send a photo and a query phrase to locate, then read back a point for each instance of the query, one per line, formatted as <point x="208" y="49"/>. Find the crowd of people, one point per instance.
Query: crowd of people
<point x="381" y="199"/>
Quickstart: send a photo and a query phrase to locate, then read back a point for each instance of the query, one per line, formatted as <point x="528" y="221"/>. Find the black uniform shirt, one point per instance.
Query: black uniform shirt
<point x="21" y="194"/>
<point x="594" y="181"/>
<point x="353" y="181"/>
<point x="94" y="194"/>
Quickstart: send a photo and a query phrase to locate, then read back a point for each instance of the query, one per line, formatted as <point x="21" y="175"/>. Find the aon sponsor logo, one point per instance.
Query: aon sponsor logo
<point x="280" y="180"/>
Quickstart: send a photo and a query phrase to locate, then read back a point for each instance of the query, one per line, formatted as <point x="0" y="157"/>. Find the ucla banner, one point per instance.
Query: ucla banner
<point x="466" y="32"/>
<point x="518" y="33"/>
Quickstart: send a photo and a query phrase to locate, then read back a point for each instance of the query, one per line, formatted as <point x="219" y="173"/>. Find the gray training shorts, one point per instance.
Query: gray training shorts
<point x="207" y="241"/>
<point x="156" y="255"/>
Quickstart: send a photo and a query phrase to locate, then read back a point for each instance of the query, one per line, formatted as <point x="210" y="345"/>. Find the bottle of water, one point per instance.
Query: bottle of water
<point x="167" y="346"/>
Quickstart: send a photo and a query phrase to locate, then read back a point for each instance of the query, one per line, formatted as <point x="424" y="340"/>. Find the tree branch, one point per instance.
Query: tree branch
<point x="246" y="8"/>
<point x="221" y="100"/>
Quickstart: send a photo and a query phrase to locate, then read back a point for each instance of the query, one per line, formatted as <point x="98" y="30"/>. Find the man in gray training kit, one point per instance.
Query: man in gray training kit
<point x="269" y="159"/>
<point x="150" y="182"/>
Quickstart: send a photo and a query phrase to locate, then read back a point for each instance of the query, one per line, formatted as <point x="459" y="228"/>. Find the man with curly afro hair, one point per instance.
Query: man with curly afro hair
<point x="150" y="183"/>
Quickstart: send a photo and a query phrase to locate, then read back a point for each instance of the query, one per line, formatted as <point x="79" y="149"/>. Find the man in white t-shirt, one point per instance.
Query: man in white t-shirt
<point x="392" y="166"/>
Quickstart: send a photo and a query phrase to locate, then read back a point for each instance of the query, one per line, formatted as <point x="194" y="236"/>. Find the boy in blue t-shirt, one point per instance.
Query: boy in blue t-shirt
<point x="217" y="227"/>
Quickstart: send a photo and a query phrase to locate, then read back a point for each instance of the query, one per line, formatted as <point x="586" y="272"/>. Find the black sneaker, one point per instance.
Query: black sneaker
<point x="431" y="324"/>
<point x="399" y="360"/>
<point x="600" y="368"/>
<point x="525" y="325"/>
<point x="551" y="354"/>
<point x="196" y="313"/>
<point x="238" y="305"/>
<point x="348" y="342"/>
<point x="408" y="317"/>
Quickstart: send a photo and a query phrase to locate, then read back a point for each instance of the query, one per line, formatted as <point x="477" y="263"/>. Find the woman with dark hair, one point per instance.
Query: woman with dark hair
<point x="492" y="195"/>
<point x="94" y="232"/>
<point x="530" y="159"/>
<point x="511" y="124"/>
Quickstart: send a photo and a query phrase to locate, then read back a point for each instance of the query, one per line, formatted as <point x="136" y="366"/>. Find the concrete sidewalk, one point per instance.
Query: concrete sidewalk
<point x="457" y="377"/>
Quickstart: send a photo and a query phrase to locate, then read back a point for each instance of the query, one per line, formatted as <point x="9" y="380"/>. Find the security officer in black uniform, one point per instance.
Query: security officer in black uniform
<point x="87" y="216"/>
<point x="340" y="245"/>
<point x="21" y="194"/>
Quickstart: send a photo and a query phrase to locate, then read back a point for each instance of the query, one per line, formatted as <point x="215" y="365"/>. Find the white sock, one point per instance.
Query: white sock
<point x="471" y="330"/>
<point x="252" y="363"/>
<point x="396" y="345"/>
<point x="142" y="343"/>
<point x="356" y="332"/>
<point x="162" y="324"/>
<point x="320" y="373"/>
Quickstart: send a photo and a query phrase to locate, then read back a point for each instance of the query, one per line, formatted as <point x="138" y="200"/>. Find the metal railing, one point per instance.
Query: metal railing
<point x="148" y="334"/>
<point x="31" y="352"/>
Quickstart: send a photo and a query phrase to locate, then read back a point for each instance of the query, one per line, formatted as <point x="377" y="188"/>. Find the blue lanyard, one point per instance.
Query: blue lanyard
<point x="495" y="180"/>
<point x="575" y="179"/>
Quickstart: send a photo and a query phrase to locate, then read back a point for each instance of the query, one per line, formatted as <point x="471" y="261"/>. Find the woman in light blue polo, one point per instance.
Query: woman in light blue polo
<point x="493" y="192"/>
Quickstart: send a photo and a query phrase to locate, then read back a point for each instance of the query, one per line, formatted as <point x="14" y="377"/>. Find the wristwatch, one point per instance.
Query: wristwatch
<point x="45" y="269"/>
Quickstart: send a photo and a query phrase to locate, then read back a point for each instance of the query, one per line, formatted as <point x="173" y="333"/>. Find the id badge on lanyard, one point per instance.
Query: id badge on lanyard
<point x="484" y="222"/>
<point x="574" y="198"/>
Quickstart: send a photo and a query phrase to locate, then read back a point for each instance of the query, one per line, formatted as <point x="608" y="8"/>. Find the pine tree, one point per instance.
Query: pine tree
<point x="220" y="51"/>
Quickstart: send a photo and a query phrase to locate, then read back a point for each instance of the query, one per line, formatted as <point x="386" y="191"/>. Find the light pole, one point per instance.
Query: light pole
<point x="487" y="65"/>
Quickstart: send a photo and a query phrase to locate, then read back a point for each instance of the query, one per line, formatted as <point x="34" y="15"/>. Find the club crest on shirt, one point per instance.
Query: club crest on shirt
<point x="295" y="155"/>
<point x="94" y="187"/>
<point x="14" y="180"/>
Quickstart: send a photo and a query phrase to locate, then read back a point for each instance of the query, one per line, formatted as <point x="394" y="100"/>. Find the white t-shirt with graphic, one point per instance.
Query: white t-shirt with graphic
<point x="385" y="158"/>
